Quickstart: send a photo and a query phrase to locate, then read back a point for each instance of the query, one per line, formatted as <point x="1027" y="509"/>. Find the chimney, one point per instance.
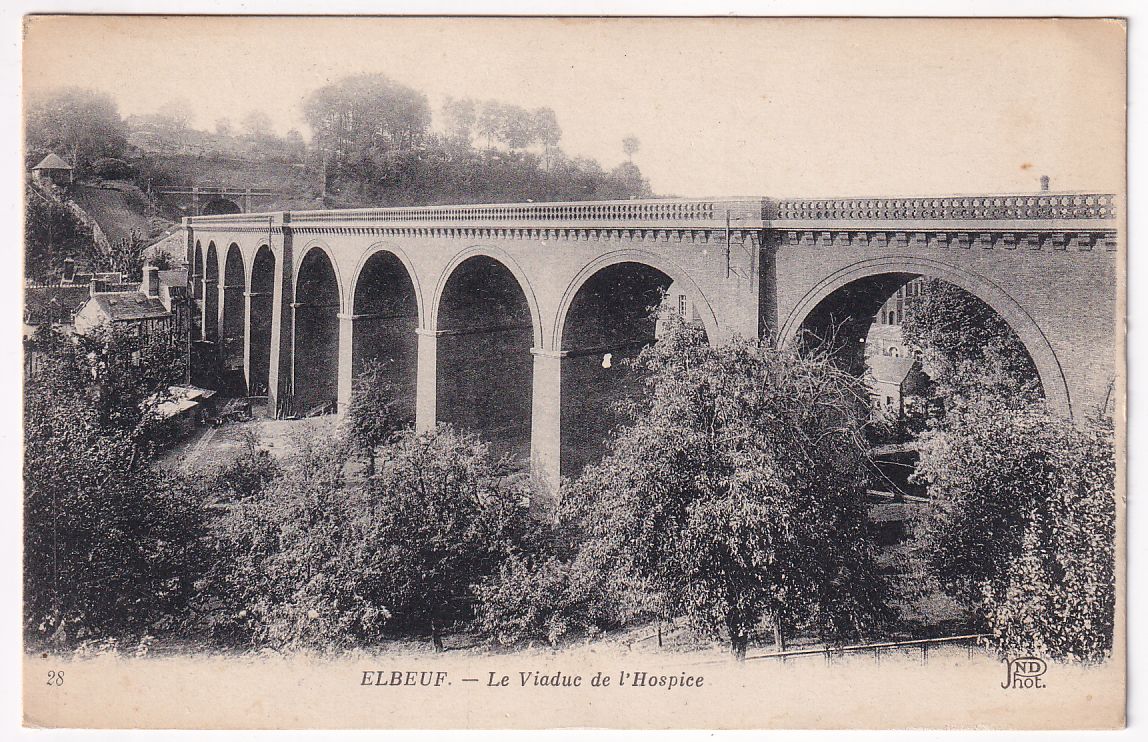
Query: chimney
<point x="151" y="281"/>
<point x="1044" y="182"/>
<point x="69" y="270"/>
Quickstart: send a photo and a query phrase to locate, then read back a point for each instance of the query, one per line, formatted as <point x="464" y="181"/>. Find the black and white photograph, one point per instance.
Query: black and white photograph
<point x="423" y="372"/>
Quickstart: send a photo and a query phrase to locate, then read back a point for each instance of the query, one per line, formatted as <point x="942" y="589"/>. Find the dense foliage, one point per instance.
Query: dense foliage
<point x="315" y="559"/>
<point x="377" y="146"/>
<point x="1022" y="526"/>
<point x="111" y="549"/>
<point x="734" y="498"/>
<point x="79" y="125"/>
<point x="51" y="234"/>
<point x="962" y="342"/>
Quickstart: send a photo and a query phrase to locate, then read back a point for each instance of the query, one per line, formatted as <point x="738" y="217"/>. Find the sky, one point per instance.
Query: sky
<point x="722" y="107"/>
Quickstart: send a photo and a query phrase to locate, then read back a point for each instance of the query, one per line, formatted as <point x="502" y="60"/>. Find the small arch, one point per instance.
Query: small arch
<point x="211" y="294"/>
<point x="221" y="206"/>
<point x="315" y="357"/>
<point x="329" y="254"/>
<point x="1031" y="336"/>
<point x="262" y="307"/>
<point x="385" y="310"/>
<point x="232" y="327"/>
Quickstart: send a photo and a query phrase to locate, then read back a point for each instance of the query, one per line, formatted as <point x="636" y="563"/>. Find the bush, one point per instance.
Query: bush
<point x="112" y="168"/>
<point x="318" y="562"/>
<point x="1023" y="525"/>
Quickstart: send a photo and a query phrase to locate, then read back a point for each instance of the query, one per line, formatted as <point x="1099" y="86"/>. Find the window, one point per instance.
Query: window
<point x="681" y="305"/>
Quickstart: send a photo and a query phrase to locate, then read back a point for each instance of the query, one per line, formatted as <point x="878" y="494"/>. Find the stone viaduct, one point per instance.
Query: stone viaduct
<point x="497" y="318"/>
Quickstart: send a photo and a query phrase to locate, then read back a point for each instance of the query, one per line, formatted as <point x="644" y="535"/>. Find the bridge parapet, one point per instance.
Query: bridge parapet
<point x="668" y="213"/>
<point x="1021" y="206"/>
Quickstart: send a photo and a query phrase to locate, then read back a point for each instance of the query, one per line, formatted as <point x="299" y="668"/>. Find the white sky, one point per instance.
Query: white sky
<point x="721" y="106"/>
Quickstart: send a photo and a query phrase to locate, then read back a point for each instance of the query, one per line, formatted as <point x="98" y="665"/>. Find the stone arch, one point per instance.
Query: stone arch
<point x="234" y="320"/>
<point x="385" y="312"/>
<point x="611" y="310"/>
<point x="211" y="293"/>
<point x="1034" y="340"/>
<point x="485" y="323"/>
<point x="220" y="205"/>
<point x="653" y="260"/>
<point x="196" y="271"/>
<point x="315" y="357"/>
<point x="261" y="291"/>
<point x="499" y="256"/>
<point x="402" y="257"/>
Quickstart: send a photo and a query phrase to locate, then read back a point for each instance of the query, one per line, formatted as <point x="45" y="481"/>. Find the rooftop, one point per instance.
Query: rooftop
<point x="52" y="162"/>
<point x="126" y="306"/>
<point x="890" y="369"/>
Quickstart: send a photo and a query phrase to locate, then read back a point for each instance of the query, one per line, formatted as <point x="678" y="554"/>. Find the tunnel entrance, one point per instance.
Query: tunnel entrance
<point x="316" y="370"/>
<point x="485" y="370"/>
<point x="615" y="312"/>
<point x="386" y="317"/>
<point x="221" y="206"/>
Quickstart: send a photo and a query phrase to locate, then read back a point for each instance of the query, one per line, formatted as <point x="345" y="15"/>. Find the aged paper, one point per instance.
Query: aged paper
<point x="299" y="246"/>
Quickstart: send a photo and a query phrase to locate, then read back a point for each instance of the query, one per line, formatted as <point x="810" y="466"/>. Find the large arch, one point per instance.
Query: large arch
<point x="612" y="311"/>
<point x="486" y="325"/>
<point x="666" y="266"/>
<point x="896" y="267"/>
<point x="499" y="256"/>
<point x="262" y="293"/>
<point x="211" y="294"/>
<point x="315" y="369"/>
<point x="386" y="312"/>
<point x="231" y="331"/>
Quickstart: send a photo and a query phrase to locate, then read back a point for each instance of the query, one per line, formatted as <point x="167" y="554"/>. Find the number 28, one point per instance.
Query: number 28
<point x="55" y="677"/>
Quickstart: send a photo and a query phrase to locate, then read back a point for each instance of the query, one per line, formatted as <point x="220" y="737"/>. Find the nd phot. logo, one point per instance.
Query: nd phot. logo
<point x="1025" y="672"/>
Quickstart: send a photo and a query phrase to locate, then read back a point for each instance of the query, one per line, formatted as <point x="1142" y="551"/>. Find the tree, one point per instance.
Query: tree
<point x="447" y="518"/>
<point x="78" y="124"/>
<point x="322" y="563"/>
<point x="735" y="496"/>
<point x="491" y="118"/>
<point x="364" y="118"/>
<point x="1022" y="523"/>
<point x="112" y="550"/>
<point x="257" y="126"/>
<point x="631" y="145"/>
<point x="548" y="133"/>
<point x="180" y="114"/>
<point x="461" y="115"/>
<point x="373" y="418"/>
<point x="52" y="233"/>
<point x="951" y="329"/>
<point x="223" y="127"/>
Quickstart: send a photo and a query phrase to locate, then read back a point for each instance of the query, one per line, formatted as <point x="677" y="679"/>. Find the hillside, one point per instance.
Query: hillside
<point x="121" y="210"/>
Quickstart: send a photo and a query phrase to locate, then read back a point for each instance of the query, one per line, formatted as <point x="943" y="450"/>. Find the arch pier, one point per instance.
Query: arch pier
<point x="498" y="319"/>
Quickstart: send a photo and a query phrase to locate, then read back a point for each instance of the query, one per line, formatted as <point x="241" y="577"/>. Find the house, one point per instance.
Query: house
<point x="159" y="306"/>
<point x="890" y="380"/>
<point x="52" y="169"/>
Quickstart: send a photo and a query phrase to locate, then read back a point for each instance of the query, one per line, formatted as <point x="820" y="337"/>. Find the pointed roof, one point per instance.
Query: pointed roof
<point x="52" y="162"/>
